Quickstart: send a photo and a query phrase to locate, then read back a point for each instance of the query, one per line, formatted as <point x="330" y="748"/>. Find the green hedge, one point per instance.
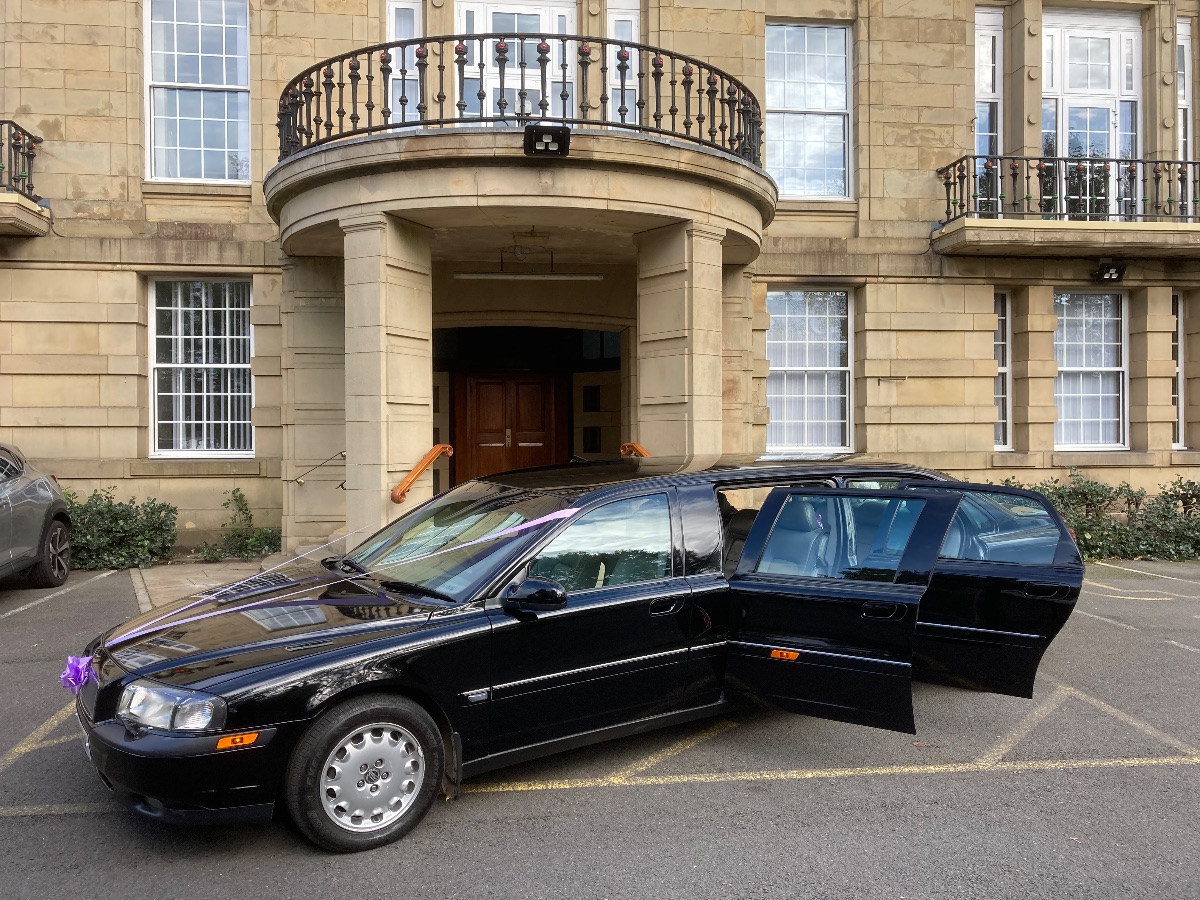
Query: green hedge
<point x="108" y="534"/>
<point x="1124" y="522"/>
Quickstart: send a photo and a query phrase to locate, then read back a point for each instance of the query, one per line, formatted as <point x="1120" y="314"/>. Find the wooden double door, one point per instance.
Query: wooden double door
<point x="508" y="421"/>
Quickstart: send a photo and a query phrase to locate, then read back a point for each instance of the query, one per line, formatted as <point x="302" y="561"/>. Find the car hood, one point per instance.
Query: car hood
<point x="284" y="614"/>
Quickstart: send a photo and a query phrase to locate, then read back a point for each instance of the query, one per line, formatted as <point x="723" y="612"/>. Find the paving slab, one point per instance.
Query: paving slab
<point x="161" y="585"/>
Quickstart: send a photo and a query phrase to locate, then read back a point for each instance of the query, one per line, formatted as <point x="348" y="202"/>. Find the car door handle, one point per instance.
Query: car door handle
<point x="666" y="606"/>
<point x="1044" y="591"/>
<point x="882" y="611"/>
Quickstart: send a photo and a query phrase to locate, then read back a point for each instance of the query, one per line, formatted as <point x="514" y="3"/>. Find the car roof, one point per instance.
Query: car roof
<point x="580" y="478"/>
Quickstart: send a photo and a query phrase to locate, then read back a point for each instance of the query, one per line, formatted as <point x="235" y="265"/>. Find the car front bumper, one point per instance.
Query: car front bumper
<point x="184" y="778"/>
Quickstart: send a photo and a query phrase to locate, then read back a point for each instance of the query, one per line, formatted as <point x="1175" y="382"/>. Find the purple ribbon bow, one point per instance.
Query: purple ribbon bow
<point x="77" y="673"/>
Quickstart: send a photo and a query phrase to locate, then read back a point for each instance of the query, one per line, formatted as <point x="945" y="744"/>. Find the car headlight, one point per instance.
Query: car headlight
<point x="170" y="709"/>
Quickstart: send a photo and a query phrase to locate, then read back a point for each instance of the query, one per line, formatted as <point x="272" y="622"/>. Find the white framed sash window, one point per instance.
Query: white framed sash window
<point x="201" y="344"/>
<point x="1002" y="344"/>
<point x="198" y="90"/>
<point x="547" y="19"/>
<point x="809" y="384"/>
<point x="404" y="23"/>
<point x="1091" y="388"/>
<point x="808" y="110"/>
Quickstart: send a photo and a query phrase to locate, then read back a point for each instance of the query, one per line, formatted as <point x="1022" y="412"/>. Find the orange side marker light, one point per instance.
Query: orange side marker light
<point x="784" y="654"/>
<point x="237" y="741"/>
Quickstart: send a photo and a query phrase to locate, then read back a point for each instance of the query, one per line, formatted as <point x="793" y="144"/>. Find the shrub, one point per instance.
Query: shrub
<point x="1122" y="522"/>
<point x="107" y="534"/>
<point x="239" y="537"/>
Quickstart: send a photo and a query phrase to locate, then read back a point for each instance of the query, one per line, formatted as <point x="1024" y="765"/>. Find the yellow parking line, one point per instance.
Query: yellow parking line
<point x="1031" y="721"/>
<point x="620" y="776"/>
<point x="860" y="772"/>
<point x="1113" y="587"/>
<point x="35" y="738"/>
<point x="559" y="784"/>
<point x="1144" y="727"/>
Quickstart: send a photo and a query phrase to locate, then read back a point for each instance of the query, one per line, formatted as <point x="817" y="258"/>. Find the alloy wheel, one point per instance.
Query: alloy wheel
<point x="372" y="777"/>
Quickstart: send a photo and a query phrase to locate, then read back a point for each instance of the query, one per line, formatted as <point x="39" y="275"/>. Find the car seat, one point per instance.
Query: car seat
<point x="797" y="542"/>
<point x="737" y="529"/>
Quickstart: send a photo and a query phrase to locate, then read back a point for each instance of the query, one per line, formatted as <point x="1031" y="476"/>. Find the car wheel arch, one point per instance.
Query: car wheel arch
<point x="450" y="747"/>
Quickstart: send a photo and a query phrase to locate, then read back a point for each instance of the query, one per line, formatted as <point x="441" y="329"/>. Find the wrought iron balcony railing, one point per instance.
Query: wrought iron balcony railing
<point x="16" y="164"/>
<point x="501" y="80"/>
<point x="1084" y="189"/>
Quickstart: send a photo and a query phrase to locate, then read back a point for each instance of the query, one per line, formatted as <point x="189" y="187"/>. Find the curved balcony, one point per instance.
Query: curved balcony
<point x="504" y="81"/>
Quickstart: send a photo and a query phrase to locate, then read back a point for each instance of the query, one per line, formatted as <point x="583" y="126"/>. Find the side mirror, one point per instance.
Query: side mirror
<point x="535" y="595"/>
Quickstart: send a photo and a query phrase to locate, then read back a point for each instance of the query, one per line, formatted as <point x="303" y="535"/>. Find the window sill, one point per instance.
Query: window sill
<point x="823" y="207"/>
<point x="1101" y="458"/>
<point x="1015" y="459"/>
<point x="238" y="190"/>
<point x="194" y="466"/>
<point x="1185" y="457"/>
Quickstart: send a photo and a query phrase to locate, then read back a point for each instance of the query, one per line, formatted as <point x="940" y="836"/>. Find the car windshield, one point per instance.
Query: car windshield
<point x="454" y="544"/>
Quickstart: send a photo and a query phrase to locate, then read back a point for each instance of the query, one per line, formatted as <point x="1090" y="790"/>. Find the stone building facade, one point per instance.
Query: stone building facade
<point x="914" y="267"/>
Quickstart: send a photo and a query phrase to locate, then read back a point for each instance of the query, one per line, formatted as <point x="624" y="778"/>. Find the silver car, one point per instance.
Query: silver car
<point x="35" y="529"/>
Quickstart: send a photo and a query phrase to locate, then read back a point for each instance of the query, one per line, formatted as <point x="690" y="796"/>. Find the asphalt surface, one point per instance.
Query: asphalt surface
<point x="1090" y="790"/>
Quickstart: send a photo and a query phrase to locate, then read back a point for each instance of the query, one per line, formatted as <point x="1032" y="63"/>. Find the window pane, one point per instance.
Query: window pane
<point x="209" y="135"/>
<point x="852" y="538"/>
<point x="625" y="542"/>
<point x="997" y="527"/>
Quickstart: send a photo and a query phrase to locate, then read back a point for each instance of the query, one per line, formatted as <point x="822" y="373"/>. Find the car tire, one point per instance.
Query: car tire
<point x="364" y="773"/>
<point x="54" y="557"/>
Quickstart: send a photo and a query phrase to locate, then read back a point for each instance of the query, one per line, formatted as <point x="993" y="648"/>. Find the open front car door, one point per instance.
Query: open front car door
<point x="826" y="598"/>
<point x="1006" y="578"/>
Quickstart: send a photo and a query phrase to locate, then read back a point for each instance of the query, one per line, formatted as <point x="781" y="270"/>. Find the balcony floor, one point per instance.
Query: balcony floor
<point x="1032" y="237"/>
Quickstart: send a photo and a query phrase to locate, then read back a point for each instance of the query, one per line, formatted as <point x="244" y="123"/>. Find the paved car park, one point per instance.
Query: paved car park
<point x="1089" y="790"/>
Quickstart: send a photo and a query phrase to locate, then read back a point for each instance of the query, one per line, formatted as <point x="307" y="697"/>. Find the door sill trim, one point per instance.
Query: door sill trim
<point x="558" y="745"/>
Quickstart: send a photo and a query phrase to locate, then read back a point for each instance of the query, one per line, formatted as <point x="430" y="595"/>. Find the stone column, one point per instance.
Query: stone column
<point x="389" y="365"/>
<point x="678" y="375"/>
<point x="313" y="412"/>
<point x="1151" y="412"/>
<point x="1190" y="310"/>
<point x="1023" y="78"/>
<point x="744" y="422"/>
<point x="1033" y="369"/>
<point x="1160" y="99"/>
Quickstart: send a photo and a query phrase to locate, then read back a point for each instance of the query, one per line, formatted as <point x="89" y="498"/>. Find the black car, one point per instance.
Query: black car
<point x="541" y="610"/>
<point x="35" y="528"/>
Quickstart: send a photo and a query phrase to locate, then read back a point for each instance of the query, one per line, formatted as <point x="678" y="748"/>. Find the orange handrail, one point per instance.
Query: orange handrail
<point x="400" y="491"/>
<point x="632" y="449"/>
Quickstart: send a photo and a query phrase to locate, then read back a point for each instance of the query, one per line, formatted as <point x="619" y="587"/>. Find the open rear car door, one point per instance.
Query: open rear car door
<point x="826" y="598"/>
<point x="1006" y="578"/>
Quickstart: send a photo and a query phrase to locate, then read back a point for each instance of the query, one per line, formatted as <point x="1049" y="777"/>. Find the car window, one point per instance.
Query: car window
<point x="8" y="467"/>
<point x="739" y="508"/>
<point x="453" y="543"/>
<point x="623" y="542"/>
<point x="873" y="484"/>
<point x="827" y="536"/>
<point x="998" y="527"/>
